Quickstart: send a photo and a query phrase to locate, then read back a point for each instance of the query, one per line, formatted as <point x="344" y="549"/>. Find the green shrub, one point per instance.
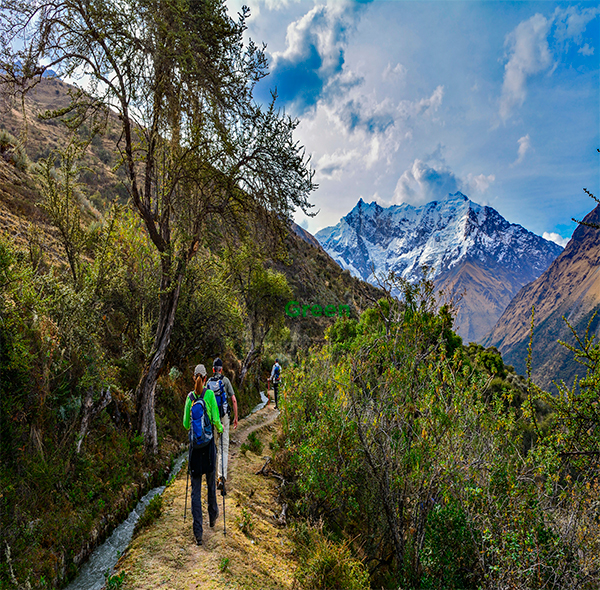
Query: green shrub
<point x="325" y="564"/>
<point x="449" y="555"/>
<point x="253" y="444"/>
<point x="114" y="582"/>
<point x="245" y="523"/>
<point x="152" y="512"/>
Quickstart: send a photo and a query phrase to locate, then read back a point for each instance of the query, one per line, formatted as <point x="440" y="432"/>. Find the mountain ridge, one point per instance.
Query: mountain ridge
<point x="467" y="246"/>
<point x="569" y="288"/>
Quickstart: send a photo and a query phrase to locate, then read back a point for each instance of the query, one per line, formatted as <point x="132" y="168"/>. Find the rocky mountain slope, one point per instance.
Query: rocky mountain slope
<point x="570" y="289"/>
<point x="472" y="251"/>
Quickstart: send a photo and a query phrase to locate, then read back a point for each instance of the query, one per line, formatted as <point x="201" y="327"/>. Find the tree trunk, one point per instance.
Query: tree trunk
<point x="145" y="395"/>
<point x="90" y="411"/>
<point x="252" y="356"/>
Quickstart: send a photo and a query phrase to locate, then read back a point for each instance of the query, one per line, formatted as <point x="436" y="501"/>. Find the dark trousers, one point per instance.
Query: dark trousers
<point x="213" y="509"/>
<point x="276" y="391"/>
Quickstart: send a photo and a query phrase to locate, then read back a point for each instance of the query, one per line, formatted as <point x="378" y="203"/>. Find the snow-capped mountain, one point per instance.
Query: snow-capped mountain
<point x="469" y="248"/>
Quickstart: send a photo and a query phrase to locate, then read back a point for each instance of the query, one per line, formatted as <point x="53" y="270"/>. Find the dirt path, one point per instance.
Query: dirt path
<point x="255" y="552"/>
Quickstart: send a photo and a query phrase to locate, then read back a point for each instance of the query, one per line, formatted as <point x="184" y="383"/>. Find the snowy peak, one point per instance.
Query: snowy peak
<point x="439" y="234"/>
<point x="371" y="241"/>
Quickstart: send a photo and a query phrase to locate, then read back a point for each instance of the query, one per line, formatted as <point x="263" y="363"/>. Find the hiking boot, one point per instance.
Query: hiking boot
<point x="198" y="541"/>
<point x="212" y="522"/>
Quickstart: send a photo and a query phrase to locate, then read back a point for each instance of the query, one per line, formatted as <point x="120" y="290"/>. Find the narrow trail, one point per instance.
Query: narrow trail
<point x="254" y="554"/>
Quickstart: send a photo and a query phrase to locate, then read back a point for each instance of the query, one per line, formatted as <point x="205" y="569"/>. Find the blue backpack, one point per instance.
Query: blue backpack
<point x="276" y="369"/>
<point x="216" y="385"/>
<point x="201" y="432"/>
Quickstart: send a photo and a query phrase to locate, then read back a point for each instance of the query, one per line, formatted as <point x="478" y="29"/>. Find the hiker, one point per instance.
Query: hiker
<point x="275" y="378"/>
<point x="200" y="404"/>
<point x="225" y="396"/>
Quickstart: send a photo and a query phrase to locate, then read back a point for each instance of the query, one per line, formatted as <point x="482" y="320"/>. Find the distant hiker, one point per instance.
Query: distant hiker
<point x="201" y="417"/>
<point x="275" y="378"/>
<point x="225" y="396"/>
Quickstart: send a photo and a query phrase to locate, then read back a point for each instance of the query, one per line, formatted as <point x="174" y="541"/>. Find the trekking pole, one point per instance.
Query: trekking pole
<point x="187" y="479"/>
<point x="223" y="488"/>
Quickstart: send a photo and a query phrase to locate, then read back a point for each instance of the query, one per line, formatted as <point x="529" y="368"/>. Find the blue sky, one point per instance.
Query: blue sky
<point x="405" y="101"/>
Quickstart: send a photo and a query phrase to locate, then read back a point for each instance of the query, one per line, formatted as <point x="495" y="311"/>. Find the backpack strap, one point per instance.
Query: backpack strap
<point x="194" y="397"/>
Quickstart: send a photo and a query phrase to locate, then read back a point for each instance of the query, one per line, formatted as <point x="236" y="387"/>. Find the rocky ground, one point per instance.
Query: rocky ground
<point x="255" y="552"/>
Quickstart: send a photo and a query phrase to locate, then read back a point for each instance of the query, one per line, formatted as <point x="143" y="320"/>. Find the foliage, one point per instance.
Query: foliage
<point x="254" y="444"/>
<point x="152" y="512"/>
<point x="12" y="151"/>
<point x="264" y="293"/>
<point x="244" y="522"/>
<point x="114" y="582"/>
<point x="397" y="443"/>
<point x="58" y="344"/>
<point x="325" y="564"/>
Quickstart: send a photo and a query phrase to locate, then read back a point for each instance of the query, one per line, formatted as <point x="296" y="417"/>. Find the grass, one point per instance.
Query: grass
<point x="254" y="444"/>
<point x="152" y="512"/>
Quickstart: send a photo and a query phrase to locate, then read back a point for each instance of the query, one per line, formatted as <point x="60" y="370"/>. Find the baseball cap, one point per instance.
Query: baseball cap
<point x="217" y="362"/>
<point x="200" y="370"/>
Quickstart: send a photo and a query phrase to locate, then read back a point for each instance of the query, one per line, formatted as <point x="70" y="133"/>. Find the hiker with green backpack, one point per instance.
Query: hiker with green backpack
<point x="201" y="417"/>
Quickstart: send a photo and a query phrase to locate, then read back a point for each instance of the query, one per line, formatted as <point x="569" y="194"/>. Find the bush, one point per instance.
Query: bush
<point x="396" y="441"/>
<point x="253" y="444"/>
<point x="11" y="149"/>
<point x="325" y="564"/>
<point x="152" y="512"/>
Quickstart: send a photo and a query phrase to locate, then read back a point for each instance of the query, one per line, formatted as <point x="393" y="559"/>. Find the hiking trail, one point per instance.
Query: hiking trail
<point x="254" y="554"/>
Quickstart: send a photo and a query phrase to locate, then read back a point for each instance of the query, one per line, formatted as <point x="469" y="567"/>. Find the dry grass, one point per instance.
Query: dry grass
<point x="166" y="556"/>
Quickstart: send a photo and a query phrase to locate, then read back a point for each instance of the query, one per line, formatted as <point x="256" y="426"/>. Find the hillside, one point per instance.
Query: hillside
<point x="41" y="137"/>
<point x="570" y="288"/>
<point x="314" y="277"/>
<point x="71" y="354"/>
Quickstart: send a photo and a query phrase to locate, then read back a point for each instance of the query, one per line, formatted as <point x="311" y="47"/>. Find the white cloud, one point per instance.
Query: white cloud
<point x="398" y="72"/>
<point x="370" y="129"/>
<point x="571" y="23"/>
<point x="424" y="183"/>
<point x="524" y="146"/>
<point x="312" y="64"/>
<point x="529" y="52"/>
<point x="477" y="184"/>
<point x="529" y="55"/>
<point x="331" y="166"/>
<point x="554" y="237"/>
<point x="428" y="105"/>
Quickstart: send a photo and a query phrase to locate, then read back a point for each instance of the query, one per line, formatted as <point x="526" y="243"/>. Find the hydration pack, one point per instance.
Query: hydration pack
<point x="216" y="385"/>
<point x="201" y="432"/>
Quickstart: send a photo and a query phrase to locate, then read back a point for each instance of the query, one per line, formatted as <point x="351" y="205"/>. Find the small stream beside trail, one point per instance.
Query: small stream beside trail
<point x="92" y="575"/>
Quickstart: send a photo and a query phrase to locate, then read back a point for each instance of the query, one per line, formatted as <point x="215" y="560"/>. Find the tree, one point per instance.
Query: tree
<point x="264" y="293"/>
<point x="199" y="153"/>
